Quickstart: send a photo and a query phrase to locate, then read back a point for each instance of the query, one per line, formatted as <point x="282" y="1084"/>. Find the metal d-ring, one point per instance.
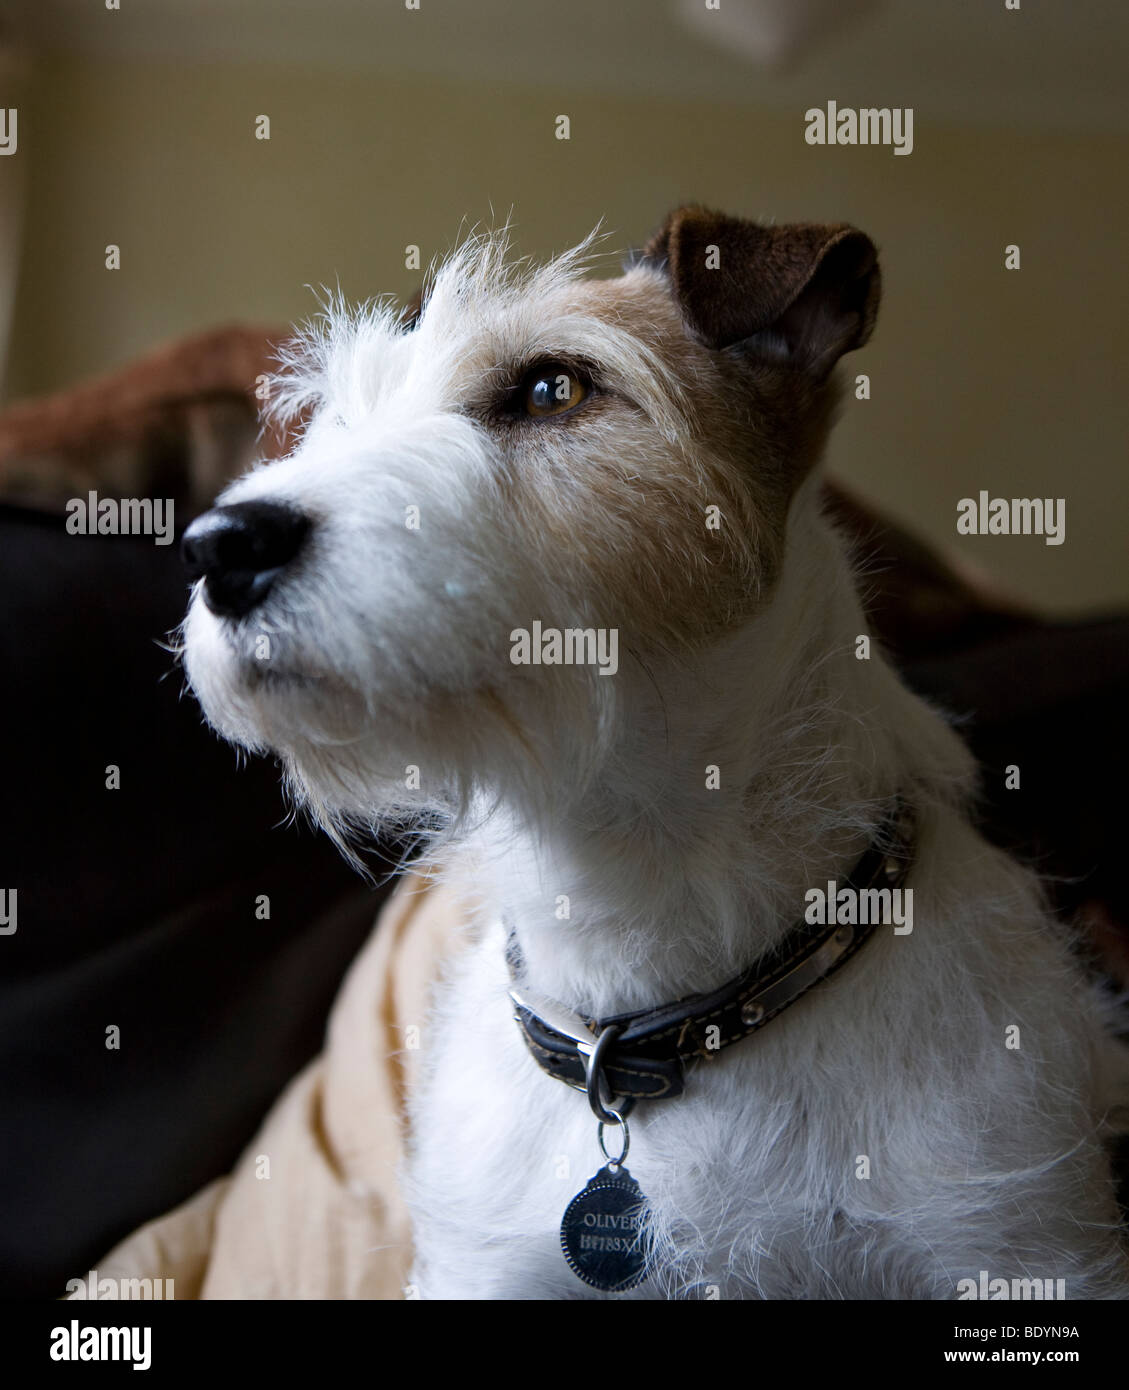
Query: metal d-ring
<point x="614" y="1162"/>
<point x="594" y="1076"/>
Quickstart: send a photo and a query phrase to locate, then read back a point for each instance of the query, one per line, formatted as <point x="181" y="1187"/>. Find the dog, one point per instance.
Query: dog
<point x="547" y="570"/>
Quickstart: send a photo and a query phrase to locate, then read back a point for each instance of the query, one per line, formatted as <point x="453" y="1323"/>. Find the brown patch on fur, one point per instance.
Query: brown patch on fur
<point x="625" y="505"/>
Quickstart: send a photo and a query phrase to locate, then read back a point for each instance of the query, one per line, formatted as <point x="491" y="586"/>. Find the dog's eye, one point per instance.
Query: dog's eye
<point x="552" y="389"/>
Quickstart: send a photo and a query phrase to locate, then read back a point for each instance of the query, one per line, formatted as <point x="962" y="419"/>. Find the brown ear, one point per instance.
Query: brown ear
<point x="803" y="293"/>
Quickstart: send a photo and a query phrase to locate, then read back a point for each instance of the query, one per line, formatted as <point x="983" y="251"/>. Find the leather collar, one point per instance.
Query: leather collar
<point x="646" y="1060"/>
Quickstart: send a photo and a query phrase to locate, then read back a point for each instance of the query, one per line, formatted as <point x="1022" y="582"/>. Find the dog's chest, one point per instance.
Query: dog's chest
<point x="503" y="1148"/>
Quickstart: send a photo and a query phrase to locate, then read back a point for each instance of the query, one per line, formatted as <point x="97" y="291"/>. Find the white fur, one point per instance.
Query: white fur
<point x="391" y="650"/>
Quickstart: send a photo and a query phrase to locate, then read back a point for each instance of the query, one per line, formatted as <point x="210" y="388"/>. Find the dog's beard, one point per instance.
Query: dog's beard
<point x="366" y="743"/>
<point x="258" y="688"/>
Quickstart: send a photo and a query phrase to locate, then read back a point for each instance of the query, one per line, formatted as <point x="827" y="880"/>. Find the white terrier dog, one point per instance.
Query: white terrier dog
<point x="549" y="561"/>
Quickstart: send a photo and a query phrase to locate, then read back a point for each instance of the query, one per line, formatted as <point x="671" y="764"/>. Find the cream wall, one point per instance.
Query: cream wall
<point x="981" y="378"/>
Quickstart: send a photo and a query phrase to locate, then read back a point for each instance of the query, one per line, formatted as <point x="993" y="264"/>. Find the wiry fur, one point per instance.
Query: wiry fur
<point x="391" y="649"/>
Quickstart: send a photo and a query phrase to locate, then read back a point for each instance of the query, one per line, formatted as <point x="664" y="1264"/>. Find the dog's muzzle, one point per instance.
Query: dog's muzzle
<point x="239" y="551"/>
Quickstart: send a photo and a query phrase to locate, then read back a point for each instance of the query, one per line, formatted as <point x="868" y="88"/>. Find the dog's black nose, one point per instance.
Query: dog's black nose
<point x="239" y="551"/>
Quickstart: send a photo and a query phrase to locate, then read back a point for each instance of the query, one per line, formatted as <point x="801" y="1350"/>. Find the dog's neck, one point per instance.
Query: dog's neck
<point x="658" y="884"/>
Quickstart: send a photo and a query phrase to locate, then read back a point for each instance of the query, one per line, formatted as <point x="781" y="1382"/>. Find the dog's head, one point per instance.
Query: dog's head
<point x="529" y="448"/>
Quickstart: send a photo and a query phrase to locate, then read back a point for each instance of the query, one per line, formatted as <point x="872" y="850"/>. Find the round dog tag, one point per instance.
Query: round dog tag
<point x="604" y="1233"/>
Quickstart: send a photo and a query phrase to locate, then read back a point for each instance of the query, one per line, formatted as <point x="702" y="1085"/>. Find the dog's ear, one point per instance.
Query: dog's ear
<point x="802" y="293"/>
